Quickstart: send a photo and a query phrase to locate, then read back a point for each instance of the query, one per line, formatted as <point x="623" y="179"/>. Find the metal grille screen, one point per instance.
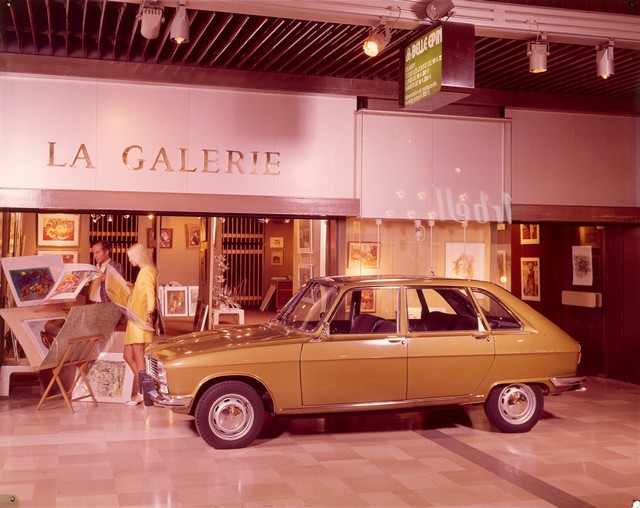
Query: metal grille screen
<point x="243" y="247"/>
<point x="121" y="231"/>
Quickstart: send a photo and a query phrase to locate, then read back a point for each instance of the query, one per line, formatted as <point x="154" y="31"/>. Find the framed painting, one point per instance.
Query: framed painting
<point x="110" y="378"/>
<point x="192" y="232"/>
<point x="277" y="258"/>
<point x="175" y="301"/>
<point x="529" y="234"/>
<point x="276" y="242"/>
<point x="530" y="277"/>
<point x="58" y="230"/>
<point x="304" y="237"/>
<point x="465" y="261"/>
<point x="305" y="273"/>
<point x="193" y="299"/>
<point x="363" y="254"/>
<point x="368" y="300"/>
<point x="40" y="339"/>
<point x="166" y="238"/>
<point x="68" y="256"/>
<point x="151" y="238"/>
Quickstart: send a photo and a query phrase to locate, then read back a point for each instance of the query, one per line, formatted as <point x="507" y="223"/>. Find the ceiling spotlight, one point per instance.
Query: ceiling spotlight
<point x="604" y="60"/>
<point x="538" y="51"/>
<point x="438" y="9"/>
<point x="378" y="39"/>
<point x="180" y="24"/>
<point x="151" y="19"/>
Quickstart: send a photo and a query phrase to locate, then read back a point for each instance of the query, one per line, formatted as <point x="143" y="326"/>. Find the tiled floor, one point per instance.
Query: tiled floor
<point x="584" y="452"/>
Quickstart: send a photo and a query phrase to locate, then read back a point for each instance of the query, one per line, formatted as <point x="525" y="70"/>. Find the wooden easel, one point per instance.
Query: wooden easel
<point x="79" y="352"/>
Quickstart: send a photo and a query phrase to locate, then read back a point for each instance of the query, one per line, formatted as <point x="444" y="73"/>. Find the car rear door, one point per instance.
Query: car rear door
<point x="454" y="352"/>
<point x="358" y="362"/>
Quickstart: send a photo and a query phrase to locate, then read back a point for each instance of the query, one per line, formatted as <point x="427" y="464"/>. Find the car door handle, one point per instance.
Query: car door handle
<point x="481" y="336"/>
<point x="396" y="340"/>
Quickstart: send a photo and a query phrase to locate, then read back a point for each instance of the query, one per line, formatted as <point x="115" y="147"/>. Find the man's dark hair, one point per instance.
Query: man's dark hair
<point x="105" y="244"/>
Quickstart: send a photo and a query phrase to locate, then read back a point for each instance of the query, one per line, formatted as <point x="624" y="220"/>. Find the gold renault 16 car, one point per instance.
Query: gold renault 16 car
<point x="368" y="343"/>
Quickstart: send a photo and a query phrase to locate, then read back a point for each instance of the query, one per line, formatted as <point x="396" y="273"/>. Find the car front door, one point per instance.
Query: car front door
<point x="363" y="359"/>
<point x="454" y="352"/>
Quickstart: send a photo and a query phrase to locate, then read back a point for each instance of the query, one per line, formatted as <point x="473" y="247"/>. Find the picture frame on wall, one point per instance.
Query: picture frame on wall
<point x="151" y="238"/>
<point x="176" y="303"/>
<point x="192" y="233"/>
<point x="363" y="254"/>
<point x="305" y="273"/>
<point x="530" y="278"/>
<point x="58" y="230"/>
<point x="529" y="234"/>
<point x="166" y="238"/>
<point x="68" y="256"/>
<point x="304" y="237"/>
<point x="368" y="300"/>
<point x="277" y="258"/>
<point x="276" y="242"/>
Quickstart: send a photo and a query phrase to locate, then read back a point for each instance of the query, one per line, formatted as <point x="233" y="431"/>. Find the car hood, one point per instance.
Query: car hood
<point x="221" y="339"/>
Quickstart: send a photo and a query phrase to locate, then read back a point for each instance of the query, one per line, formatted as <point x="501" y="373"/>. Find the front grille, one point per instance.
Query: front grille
<point x="152" y="368"/>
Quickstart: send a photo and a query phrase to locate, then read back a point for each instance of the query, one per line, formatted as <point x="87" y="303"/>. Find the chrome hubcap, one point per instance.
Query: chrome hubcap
<point x="231" y="417"/>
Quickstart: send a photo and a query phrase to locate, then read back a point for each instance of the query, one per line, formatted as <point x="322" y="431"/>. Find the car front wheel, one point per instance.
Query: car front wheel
<point x="229" y="415"/>
<point x="514" y="408"/>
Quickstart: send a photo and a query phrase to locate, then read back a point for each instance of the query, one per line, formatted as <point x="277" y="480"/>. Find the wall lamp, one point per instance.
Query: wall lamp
<point x="378" y="39"/>
<point x="604" y="60"/>
<point x="150" y="20"/>
<point x="538" y="51"/>
<point x="180" y="24"/>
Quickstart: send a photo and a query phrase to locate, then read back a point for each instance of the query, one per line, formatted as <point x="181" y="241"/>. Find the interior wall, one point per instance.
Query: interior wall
<point x="176" y="263"/>
<point x="573" y="159"/>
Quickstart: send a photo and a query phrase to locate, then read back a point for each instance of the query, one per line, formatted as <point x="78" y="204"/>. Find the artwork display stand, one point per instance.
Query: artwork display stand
<point x="79" y="352"/>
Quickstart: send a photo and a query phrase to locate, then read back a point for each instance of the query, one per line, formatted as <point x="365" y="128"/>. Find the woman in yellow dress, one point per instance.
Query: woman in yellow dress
<point x="142" y="303"/>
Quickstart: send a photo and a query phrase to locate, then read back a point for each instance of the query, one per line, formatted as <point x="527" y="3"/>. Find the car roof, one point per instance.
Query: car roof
<point x="403" y="279"/>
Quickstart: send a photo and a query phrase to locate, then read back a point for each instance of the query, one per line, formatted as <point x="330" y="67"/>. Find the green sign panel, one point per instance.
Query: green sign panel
<point x="423" y="67"/>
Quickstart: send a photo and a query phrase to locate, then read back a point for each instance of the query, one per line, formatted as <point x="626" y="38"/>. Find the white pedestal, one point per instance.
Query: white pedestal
<point x="216" y="313"/>
<point x="8" y="368"/>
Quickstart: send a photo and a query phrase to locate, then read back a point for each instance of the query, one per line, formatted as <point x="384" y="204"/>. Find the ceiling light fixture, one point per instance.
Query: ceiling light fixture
<point x="151" y="19"/>
<point x="438" y="9"/>
<point x="538" y="51"/>
<point x="378" y="39"/>
<point x="180" y="24"/>
<point x="604" y="60"/>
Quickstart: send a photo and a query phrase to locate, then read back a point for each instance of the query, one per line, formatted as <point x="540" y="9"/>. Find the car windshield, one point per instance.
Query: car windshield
<point x="308" y="308"/>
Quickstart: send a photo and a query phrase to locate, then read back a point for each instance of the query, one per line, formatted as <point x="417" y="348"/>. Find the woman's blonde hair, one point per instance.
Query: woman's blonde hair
<point x="139" y="254"/>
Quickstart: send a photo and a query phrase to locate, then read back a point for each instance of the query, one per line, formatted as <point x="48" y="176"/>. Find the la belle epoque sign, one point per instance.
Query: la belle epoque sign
<point x="253" y="163"/>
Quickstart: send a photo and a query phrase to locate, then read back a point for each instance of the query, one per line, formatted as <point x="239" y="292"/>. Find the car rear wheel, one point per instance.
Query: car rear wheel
<point x="514" y="408"/>
<point x="229" y="415"/>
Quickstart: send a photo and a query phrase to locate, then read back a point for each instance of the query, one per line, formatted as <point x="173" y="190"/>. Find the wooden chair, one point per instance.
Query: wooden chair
<point x="79" y="352"/>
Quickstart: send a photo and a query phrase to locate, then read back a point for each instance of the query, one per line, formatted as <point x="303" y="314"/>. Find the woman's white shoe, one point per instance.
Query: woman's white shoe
<point x="135" y="400"/>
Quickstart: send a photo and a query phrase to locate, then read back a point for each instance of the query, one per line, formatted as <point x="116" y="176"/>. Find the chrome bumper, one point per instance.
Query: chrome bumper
<point x="153" y="398"/>
<point x="573" y="383"/>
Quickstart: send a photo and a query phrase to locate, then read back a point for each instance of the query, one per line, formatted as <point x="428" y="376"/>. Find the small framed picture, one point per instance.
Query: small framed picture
<point x="530" y="276"/>
<point x="276" y="242"/>
<point x="277" y="258"/>
<point x="305" y="273"/>
<point x="529" y="234"/>
<point x="368" y="301"/>
<point x="166" y="238"/>
<point x="151" y="238"/>
<point x="175" y="301"/>
<point x="68" y="256"/>
<point x="193" y="235"/>
<point x="193" y="299"/>
<point x="363" y="254"/>
<point x="304" y="237"/>
<point x="58" y="229"/>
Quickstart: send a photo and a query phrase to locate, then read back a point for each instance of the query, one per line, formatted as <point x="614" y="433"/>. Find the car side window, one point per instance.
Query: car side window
<point x="441" y="309"/>
<point x="367" y="311"/>
<point x="497" y="315"/>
